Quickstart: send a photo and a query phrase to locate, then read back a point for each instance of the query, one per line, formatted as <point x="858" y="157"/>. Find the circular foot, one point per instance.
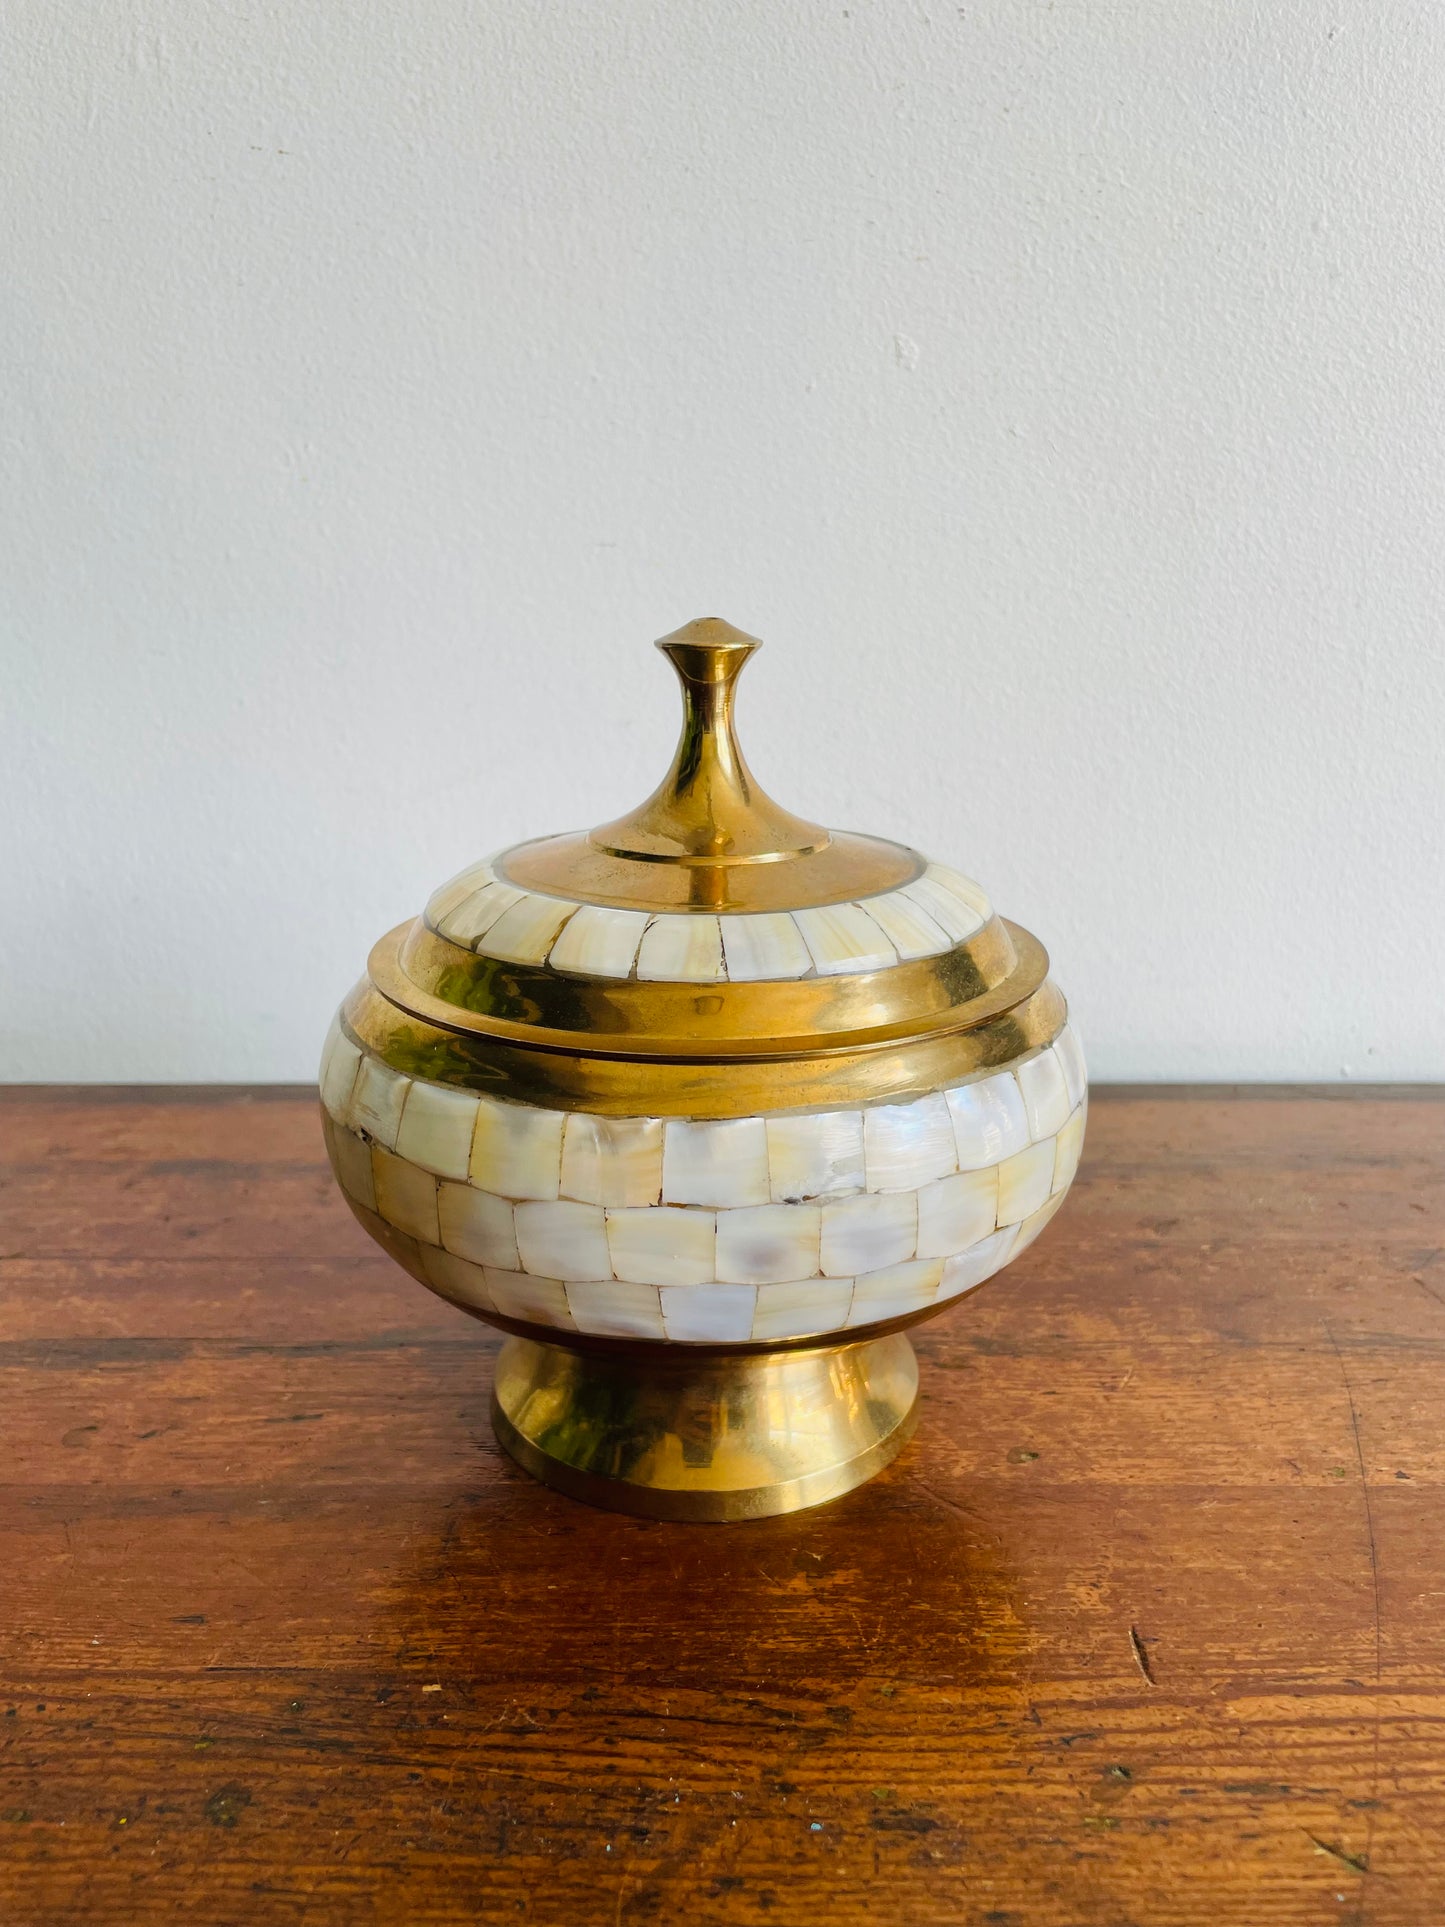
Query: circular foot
<point x="727" y="1436"/>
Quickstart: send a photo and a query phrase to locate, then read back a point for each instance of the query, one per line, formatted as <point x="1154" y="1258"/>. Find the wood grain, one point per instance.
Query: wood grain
<point x="1147" y="1626"/>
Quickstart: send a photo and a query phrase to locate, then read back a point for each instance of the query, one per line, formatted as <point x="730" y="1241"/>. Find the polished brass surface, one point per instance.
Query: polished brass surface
<point x="709" y="837"/>
<point x="432" y="1042"/>
<point x="716" y="1438"/>
<point x="425" y="973"/>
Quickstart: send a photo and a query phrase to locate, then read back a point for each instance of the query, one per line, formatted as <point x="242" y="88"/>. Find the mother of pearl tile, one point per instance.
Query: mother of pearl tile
<point x="949" y="912"/>
<point x="1024" y="1182"/>
<point x="980" y="1261"/>
<point x="455" y="1278"/>
<point x="989" y="1120"/>
<point x="767" y="945"/>
<point x="709" y="1314"/>
<point x="719" y="1161"/>
<point x="339" y="1063"/>
<point x="436" y="1129"/>
<point x="1067" y="1146"/>
<point x="1046" y="1096"/>
<point x="972" y="895"/>
<point x="663" y="1244"/>
<point x="405" y="1195"/>
<point x="679" y="949"/>
<point x="1071" y="1059"/>
<point x="537" y="1301"/>
<point x="1035" y="1222"/>
<point x="815" y="1156"/>
<point x="862" y="1233"/>
<point x="842" y="937"/>
<point x="905" y="1145"/>
<point x="475" y="915"/>
<point x="615" y="1310"/>
<point x="526" y="931"/>
<point x="351" y="1160"/>
<point x="563" y="1239"/>
<point x="894" y="1292"/>
<point x="907" y="926"/>
<point x="802" y="1307"/>
<point x="478" y="1226"/>
<point x="376" y="1100"/>
<point x="455" y="891"/>
<point x="517" y="1150"/>
<point x="612" y="1160"/>
<point x="956" y="1212"/>
<point x="599" y="942"/>
<point x="768" y="1244"/>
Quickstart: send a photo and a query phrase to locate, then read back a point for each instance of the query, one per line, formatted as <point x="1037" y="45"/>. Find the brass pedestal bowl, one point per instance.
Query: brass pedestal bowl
<point x="705" y="1107"/>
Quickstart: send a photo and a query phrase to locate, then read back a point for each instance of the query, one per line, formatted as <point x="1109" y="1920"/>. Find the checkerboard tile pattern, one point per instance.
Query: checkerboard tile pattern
<point x="706" y="1230"/>
<point x="923" y="919"/>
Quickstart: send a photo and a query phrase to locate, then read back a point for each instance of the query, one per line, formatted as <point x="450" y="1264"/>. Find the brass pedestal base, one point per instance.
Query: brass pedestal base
<point x="712" y="1437"/>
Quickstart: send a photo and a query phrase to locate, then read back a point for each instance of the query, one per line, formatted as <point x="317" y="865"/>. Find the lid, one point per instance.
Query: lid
<point x="710" y="923"/>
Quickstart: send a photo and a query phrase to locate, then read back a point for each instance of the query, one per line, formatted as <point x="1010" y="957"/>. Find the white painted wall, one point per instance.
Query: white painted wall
<point x="1057" y="386"/>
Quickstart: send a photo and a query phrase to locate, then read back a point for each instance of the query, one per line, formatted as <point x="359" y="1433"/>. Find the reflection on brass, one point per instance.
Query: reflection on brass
<point x="708" y="1438"/>
<point x="697" y="1086"/>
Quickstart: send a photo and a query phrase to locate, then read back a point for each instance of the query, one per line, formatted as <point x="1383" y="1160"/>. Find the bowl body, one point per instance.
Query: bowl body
<point x="778" y="1226"/>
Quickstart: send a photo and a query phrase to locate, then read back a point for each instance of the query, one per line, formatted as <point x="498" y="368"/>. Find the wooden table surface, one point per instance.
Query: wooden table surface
<point x="1146" y="1626"/>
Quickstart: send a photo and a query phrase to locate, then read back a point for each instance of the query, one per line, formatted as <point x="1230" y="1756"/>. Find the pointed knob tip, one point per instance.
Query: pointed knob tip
<point x="709" y="639"/>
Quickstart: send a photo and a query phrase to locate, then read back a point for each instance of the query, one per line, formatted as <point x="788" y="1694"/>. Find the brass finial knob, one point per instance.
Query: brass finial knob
<point x="709" y="808"/>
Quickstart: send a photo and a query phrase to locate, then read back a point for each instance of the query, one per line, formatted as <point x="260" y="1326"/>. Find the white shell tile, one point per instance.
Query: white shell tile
<point x="709" y="1314"/>
<point x="663" y="1245"/>
<point x="339" y="1064"/>
<point x="894" y="1292"/>
<point x="562" y="1239"/>
<point x="805" y="1306"/>
<point x="612" y="1160"/>
<point x="815" y="1156"/>
<point x="1046" y="1096"/>
<point x="764" y="947"/>
<point x="475" y="915"/>
<point x="956" y="1212"/>
<point x="351" y="1160"/>
<point x="1067" y="1146"/>
<point x="768" y="1244"/>
<point x="722" y="1161"/>
<point x="526" y="931"/>
<point x="948" y="911"/>
<point x="980" y="1261"/>
<point x="1024" y="1182"/>
<point x="405" y="1195"/>
<point x="1071" y="1059"/>
<point x="1035" y="1222"/>
<point x="681" y="949"/>
<point x="599" y="942"/>
<point x="376" y="1100"/>
<point x="972" y="895"/>
<point x="455" y="891"/>
<point x="989" y="1120"/>
<point x="455" y="1278"/>
<point x="842" y="937"/>
<point x="905" y="1145"/>
<point x="436" y="1129"/>
<point x="615" y="1310"/>
<point x="517" y="1150"/>
<point x="540" y="1301"/>
<point x="864" y="1233"/>
<point x="478" y="1226"/>
<point x="908" y="926"/>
